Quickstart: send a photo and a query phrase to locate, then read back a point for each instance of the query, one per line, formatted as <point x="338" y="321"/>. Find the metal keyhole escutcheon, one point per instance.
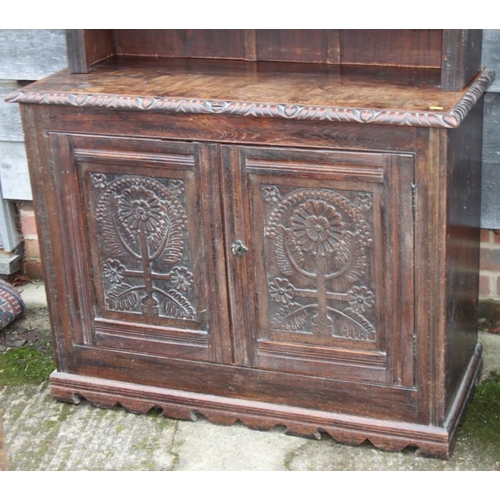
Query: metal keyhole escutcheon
<point x="238" y="248"/>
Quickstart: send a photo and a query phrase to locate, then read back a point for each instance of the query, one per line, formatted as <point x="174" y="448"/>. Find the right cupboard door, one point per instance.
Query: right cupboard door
<point x="321" y="272"/>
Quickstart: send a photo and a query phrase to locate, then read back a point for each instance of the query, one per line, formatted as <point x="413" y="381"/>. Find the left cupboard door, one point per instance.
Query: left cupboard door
<point x="143" y="261"/>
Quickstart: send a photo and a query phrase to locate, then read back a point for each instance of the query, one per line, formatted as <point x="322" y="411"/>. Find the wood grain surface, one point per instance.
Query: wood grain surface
<point x="232" y="88"/>
<point x="262" y="241"/>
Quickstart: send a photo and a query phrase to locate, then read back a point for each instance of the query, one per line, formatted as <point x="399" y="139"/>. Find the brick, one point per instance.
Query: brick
<point x="28" y="225"/>
<point x="27" y="219"/>
<point x="496" y="237"/>
<point x="490" y="259"/>
<point x="485" y="235"/>
<point x="25" y="207"/>
<point x="484" y="286"/>
<point x="31" y="249"/>
<point x="33" y="269"/>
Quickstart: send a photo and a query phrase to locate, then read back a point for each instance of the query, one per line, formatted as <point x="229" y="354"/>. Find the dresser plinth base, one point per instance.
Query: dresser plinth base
<point x="386" y="435"/>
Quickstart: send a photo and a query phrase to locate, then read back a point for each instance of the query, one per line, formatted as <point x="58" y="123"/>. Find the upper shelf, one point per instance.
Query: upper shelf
<point x="362" y="94"/>
<point x="455" y="53"/>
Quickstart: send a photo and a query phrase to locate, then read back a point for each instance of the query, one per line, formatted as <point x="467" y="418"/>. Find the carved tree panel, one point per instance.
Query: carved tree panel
<point x="321" y="228"/>
<point x="319" y="259"/>
<point x="145" y="262"/>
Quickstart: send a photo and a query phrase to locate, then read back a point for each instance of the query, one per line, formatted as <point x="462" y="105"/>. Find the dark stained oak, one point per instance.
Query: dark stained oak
<point x="386" y="433"/>
<point x="455" y="53"/>
<point x="392" y="96"/>
<point x="412" y="48"/>
<point x="273" y="226"/>
<point x="86" y="47"/>
<point x="461" y="57"/>
<point x="463" y="216"/>
<point x="213" y="44"/>
<point x="312" y="319"/>
<point x="292" y="45"/>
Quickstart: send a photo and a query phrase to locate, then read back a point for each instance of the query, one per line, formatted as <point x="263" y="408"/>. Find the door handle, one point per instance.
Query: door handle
<point x="238" y="249"/>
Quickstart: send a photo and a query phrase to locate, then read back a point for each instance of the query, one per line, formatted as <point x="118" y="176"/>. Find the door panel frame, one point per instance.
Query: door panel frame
<point x="80" y="155"/>
<point x="390" y="177"/>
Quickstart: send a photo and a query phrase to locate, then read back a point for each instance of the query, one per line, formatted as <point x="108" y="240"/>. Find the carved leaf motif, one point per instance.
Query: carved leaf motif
<point x="174" y="245"/>
<point x="177" y="306"/>
<point x="361" y="328"/>
<point x="168" y="239"/>
<point x="122" y="298"/>
<point x="295" y="250"/>
<point x="291" y="317"/>
<point x="112" y="228"/>
<point x="357" y="270"/>
<point x="282" y="260"/>
<point x="129" y="238"/>
<point x="351" y="257"/>
<point x="157" y="239"/>
<point x="118" y="247"/>
<point x="110" y="236"/>
<point x="343" y="254"/>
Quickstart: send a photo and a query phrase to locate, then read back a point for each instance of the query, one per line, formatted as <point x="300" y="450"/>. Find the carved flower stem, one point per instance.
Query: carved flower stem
<point x="146" y="266"/>
<point x="322" y="323"/>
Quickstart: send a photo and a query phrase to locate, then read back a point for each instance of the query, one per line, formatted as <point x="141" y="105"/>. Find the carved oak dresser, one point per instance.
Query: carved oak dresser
<point x="273" y="226"/>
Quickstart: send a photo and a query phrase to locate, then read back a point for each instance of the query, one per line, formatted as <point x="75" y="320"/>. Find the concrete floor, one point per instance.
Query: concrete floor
<point x="42" y="434"/>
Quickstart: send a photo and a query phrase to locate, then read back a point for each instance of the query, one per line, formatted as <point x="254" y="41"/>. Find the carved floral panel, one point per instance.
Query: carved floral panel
<point x="319" y="245"/>
<point x="144" y="256"/>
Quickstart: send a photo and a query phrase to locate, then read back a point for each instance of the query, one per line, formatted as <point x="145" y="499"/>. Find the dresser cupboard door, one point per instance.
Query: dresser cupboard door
<point x="144" y="253"/>
<point x="321" y="262"/>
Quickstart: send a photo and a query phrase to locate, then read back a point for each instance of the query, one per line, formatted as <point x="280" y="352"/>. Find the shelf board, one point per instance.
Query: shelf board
<point x="398" y="96"/>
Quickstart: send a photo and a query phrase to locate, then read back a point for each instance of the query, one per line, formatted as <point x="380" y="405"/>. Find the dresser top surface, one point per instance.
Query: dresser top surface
<point x="400" y="96"/>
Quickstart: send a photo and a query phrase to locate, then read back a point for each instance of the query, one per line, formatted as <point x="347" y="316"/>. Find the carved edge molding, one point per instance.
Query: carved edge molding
<point x="383" y="434"/>
<point x="474" y="92"/>
<point x="451" y="119"/>
<point x="431" y="441"/>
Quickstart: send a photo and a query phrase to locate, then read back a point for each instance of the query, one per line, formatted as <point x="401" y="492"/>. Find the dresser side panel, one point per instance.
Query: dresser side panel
<point x="463" y="157"/>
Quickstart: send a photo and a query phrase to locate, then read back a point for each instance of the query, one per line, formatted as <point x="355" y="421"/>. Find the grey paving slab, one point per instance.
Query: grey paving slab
<point x="43" y="434"/>
<point x="491" y="353"/>
<point x="206" y="447"/>
<point x="33" y="295"/>
<point x="332" y="456"/>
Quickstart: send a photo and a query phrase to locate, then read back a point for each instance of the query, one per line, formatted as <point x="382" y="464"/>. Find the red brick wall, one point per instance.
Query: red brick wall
<point x="31" y="264"/>
<point x="489" y="276"/>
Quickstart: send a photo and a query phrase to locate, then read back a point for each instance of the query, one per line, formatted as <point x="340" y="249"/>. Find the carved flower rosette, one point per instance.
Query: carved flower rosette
<point x="319" y="243"/>
<point x="143" y="249"/>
